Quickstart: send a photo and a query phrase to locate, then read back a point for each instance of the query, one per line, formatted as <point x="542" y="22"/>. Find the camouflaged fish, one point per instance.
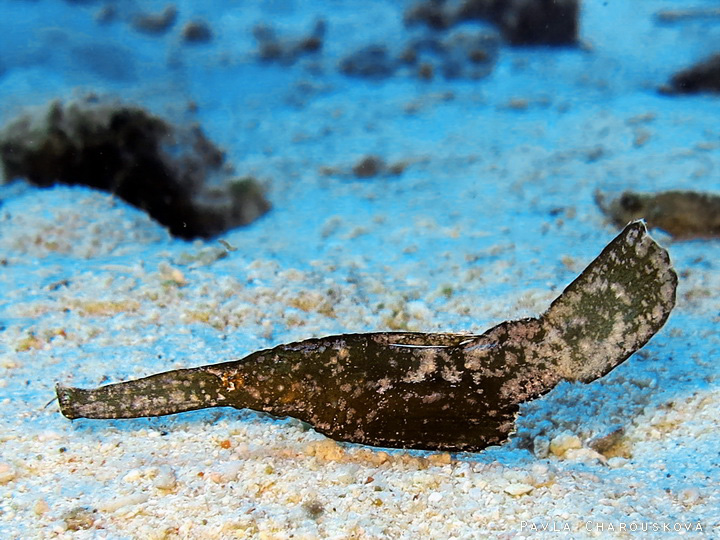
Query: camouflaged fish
<point x="427" y="391"/>
<point x="683" y="214"/>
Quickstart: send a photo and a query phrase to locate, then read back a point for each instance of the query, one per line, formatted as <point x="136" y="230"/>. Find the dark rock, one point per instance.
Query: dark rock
<point x="197" y="32"/>
<point x="135" y="155"/>
<point x="155" y="23"/>
<point x="408" y="56"/>
<point x="702" y="77"/>
<point x="522" y="22"/>
<point x="290" y="49"/>
<point x="469" y="53"/>
<point x="368" y="167"/>
<point x="246" y="203"/>
<point x="467" y="50"/>
<point x="478" y="10"/>
<point x="372" y="61"/>
<point x="426" y="71"/>
<point x="434" y="13"/>
<point x="539" y="22"/>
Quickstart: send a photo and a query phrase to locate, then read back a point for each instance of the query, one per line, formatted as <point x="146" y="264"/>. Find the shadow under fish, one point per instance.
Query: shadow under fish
<point x="438" y="391"/>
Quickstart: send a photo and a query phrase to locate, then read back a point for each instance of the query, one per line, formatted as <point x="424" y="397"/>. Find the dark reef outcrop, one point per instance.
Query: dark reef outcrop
<point x="701" y="77"/>
<point x="173" y="173"/>
<point x="522" y="22"/>
<point x="288" y="49"/>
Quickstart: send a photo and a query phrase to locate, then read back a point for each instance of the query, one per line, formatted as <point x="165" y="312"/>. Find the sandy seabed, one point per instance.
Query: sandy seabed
<point x="492" y="216"/>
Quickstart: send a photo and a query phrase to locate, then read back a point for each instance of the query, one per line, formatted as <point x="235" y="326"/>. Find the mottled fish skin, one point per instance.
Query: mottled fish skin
<point x="683" y="214"/>
<point x="426" y="391"/>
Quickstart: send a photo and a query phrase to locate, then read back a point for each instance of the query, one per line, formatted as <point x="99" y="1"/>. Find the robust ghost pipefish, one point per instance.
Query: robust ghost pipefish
<point x="439" y="391"/>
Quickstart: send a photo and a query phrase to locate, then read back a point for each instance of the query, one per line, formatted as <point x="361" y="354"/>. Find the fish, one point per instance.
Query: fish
<point x="685" y="215"/>
<point x="428" y="391"/>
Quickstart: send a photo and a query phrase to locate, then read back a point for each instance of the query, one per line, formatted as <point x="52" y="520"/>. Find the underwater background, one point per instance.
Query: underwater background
<point x="186" y="183"/>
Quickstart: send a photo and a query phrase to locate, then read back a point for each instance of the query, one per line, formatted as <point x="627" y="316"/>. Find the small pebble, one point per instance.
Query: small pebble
<point x="368" y="167"/>
<point x="227" y="472"/>
<point x="617" y="462"/>
<point x="124" y="500"/>
<point x="584" y="454"/>
<point x="435" y="497"/>
<point x="7" y="473"/>
<point x="165" y="479"/>
<point x="40" y="507"/>
<point x="197" y="32"/>
<point x="518" y="489"/>
<point x="689" y="496"/>
<point x="564" y="442"/>
<point x="79" y="518"/>
<point x="132" y="476"/>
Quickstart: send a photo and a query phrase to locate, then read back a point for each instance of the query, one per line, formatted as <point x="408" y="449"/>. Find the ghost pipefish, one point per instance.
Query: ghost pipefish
<point x="438" y="391"/>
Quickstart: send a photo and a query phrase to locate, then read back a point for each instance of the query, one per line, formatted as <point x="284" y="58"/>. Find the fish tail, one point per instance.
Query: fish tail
<point x="158" y="395"/>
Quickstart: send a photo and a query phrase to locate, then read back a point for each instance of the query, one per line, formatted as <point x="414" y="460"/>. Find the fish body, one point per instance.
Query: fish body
<point x="437" y="391"/>
<point x="685" y="215"/>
